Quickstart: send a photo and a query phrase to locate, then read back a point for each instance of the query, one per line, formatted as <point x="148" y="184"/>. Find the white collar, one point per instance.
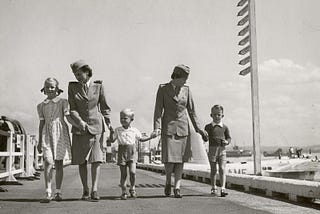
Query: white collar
<point x="88" y="83"/>
<point x="55" y="100"/>
<point x="217" y="124"/>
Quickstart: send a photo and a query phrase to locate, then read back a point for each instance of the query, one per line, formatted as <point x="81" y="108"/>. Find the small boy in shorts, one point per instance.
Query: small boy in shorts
<point x="219" y="138"/>
<point x="128" y="137"/>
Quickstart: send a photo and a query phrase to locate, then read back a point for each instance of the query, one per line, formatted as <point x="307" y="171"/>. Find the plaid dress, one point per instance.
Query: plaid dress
<point x="55" y="133"/>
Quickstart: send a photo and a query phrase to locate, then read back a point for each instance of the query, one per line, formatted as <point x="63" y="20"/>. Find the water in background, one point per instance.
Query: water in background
<point x="200" y="158"/>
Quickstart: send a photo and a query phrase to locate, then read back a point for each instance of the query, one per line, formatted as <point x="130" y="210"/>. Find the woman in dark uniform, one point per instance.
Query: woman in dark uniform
<point x="173" y="101"/>
<point x="89" y="109"/>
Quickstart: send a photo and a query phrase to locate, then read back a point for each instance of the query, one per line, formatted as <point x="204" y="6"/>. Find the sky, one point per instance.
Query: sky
<point x="133" y="46"/>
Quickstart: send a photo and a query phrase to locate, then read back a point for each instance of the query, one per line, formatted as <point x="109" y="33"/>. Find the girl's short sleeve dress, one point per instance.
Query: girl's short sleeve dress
<point x="55" y="134"/>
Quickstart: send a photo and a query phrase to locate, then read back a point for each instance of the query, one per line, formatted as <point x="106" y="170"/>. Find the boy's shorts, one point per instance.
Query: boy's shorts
<point x="217" y="154"/>
<point x="126" y="154"/>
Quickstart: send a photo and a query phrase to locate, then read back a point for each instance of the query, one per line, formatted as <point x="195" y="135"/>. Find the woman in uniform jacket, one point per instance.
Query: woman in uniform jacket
<point x="89" y="109"/>
<point x="173" y="105"/>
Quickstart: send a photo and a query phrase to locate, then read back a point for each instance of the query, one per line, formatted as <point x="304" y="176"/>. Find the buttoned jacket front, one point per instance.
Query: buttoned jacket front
<point x="171" y="111"/>
<point x="89" y="107"/>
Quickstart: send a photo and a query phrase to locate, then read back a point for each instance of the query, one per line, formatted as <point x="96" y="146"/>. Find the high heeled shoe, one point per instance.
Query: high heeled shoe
<point x="177" y="193"/>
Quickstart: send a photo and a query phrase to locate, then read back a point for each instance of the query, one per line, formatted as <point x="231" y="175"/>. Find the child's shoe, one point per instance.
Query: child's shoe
<point x="47" y="198"/>
<point x="85" y="196"/>
<point x="133" y="193"/>
<point x="177" y="193"/>
<point x="214" y="191"/>
<point x="94" y="196"/>
<point x="223" y="193"/>
<point x="124" y="196"/>
<point x="58" y="196"/>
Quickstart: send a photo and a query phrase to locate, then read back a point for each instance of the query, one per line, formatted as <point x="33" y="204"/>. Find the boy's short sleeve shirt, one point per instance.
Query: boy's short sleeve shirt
<point x="127" y="136"/>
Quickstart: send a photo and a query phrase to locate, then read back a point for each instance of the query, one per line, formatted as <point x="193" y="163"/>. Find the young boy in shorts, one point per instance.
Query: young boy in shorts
<point x="128" y="138"/>
<point x="219" y="138"/>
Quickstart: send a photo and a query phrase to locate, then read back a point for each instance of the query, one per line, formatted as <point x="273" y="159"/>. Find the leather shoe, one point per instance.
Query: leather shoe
<point x="177" y="193"/>
<point x="85" y="196"/>
<point x="167" y="190"/>
<point x="223" y="193"/>
<point x="94" y="196"/>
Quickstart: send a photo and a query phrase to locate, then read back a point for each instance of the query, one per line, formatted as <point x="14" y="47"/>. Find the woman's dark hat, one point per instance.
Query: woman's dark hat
<point x="180" y="71"/>
<point x="78" y="64"/>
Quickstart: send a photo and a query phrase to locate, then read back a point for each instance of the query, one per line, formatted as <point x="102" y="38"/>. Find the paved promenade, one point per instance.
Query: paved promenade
<point x="25" y="198"/>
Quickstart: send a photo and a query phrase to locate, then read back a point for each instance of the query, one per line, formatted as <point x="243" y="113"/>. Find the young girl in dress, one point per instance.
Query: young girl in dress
<point x="54" y="139"/>
<point x="127" y="137"/>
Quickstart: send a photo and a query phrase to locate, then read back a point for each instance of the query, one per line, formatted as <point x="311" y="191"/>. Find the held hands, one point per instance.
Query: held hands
<point x="83" y="126"/>
<point x="107" y="120"/>
<point x="224" y="142"/>
<point x="204" y="135"/>
<point x="155" y="133"/>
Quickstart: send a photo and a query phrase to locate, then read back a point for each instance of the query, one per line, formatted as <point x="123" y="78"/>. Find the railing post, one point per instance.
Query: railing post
<point x="10" y="158"/>
<point x="22" y="139"/>
<point x="28" y="157"/>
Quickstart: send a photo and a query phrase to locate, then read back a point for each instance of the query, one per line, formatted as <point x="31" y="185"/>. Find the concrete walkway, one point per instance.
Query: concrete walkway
<point x="25" y="198"/>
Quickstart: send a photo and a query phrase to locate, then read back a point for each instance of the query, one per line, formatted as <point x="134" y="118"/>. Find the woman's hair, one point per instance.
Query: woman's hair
<point x="81" y="65"/>
<point x="51" y="79"/>
<point x="219" y="107"/>
<point x="180" y="71"/>
<point x="87" y="69"/>
<point x="128" y="112"/>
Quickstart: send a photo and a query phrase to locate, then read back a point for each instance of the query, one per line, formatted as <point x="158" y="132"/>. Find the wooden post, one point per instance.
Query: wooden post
<point x="254" y="89"/>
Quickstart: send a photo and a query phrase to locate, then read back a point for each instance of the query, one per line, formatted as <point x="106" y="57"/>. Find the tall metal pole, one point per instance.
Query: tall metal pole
<point x="254" y="89"/>
<point x="249" y="16"/>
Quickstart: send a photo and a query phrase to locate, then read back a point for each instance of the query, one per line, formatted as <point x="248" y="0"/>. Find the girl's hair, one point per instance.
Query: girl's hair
<point x="51" y="79"/>
<point x="128" y="112"/>
<point x="180" y="71"/>
<point x="219" y="107"/>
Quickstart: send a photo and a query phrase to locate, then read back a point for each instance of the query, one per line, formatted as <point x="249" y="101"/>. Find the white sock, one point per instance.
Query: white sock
<point x="58" y="190"/>
<point x="48" y="191"/>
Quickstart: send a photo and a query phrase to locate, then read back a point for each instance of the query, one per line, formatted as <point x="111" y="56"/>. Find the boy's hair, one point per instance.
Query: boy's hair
<point x="129" y="112"/>
<point x="219" y="107"/>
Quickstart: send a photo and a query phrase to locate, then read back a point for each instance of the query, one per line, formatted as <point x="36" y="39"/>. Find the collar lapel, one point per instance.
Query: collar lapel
<point x="170" y="92"/>
<point x="81" y="90"/>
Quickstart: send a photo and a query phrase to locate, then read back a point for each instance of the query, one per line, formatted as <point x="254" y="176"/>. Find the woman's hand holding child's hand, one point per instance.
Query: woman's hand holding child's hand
<point x="83" y="126"/>
<point x="153" y="134"/>
<point x="156" y="132"/>
<point x="224" y="142"/>
<point x="204" y="135"/>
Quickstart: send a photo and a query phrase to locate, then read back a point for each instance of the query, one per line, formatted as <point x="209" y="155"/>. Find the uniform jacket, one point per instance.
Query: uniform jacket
<point x="89" y="107"/>
<point x="170" y="114"/>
